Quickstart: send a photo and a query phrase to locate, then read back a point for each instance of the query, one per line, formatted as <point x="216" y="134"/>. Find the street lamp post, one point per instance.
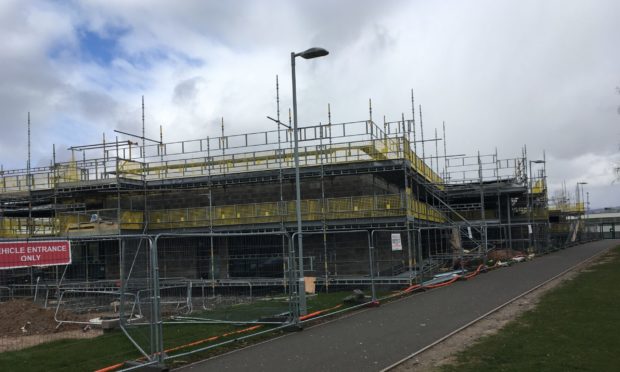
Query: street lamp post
<point x="307" y="54"/>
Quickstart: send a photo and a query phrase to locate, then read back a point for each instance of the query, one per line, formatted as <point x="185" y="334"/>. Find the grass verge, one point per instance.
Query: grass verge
<point x="575" y="327"/>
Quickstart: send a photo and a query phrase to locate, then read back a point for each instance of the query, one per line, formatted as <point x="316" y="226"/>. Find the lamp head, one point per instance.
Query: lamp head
<point x="313" y="53"/>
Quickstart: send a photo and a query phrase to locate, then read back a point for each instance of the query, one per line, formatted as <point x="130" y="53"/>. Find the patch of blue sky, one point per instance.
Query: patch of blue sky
<point x="101" y="48"/>
<point x="116" y="67"/>
<point x="126" y="72"/>
<point x="91" y="46"/>
<point x="104" y="47"/>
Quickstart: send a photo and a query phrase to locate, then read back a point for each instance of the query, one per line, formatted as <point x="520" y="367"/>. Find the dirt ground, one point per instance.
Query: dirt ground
<point x="24" y="324"/>
<point x="444" y="353"/>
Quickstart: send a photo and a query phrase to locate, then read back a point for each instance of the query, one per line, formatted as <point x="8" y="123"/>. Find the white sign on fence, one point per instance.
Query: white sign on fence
<point x="397" y="245"/>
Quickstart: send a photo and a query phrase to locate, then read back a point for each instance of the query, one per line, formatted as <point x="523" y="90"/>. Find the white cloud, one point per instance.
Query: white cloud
<point x="501" y="74"/>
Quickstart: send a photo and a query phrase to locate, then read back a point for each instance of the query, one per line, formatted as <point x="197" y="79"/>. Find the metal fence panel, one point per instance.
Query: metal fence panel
<point x="210" y="284"/>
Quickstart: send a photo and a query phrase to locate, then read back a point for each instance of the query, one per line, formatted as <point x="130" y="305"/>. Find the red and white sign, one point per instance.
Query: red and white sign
<point x="35" y="253"/>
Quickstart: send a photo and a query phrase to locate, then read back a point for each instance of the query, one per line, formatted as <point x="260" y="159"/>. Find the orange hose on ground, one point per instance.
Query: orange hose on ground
<point x="412" y="288"/>
<point x="319" y="312"/>
<point x="193" y="343"/>
<point x="110" y="368"/>
<point x="454" y="279"/>
<point x="439" y="285"/>
<point x="249" y="329"/>
<point x="213" y="338"/>
<point x="471" y="275"/>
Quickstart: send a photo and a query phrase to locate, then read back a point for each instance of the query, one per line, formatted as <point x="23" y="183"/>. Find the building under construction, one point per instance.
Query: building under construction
<point x="373" y="203"/>
<point x="361" y="184"/>
<point x="137" y="233"/>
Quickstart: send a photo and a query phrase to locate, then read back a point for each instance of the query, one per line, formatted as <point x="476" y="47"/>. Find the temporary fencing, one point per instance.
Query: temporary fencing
<point x="63" y="308"/>
<point x="442" y="249"/>
<point x="180" y="294"/>
<point x="139" y="296"/>
<point x="211" y="283"/>
<point x="608" y="230"/>
<point x="395" y="255"/>
<point x="75" y="306"/>
<point x="5" y="294"/>
<point x="338" y="269"/>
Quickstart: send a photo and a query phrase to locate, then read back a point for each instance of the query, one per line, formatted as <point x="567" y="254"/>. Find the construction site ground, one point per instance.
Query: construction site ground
<point x="376" y="338"/>
<point x="24" y="324"/>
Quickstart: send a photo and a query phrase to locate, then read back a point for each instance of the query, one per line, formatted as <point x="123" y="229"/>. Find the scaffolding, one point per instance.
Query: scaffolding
<point x="354" y="175"/>
<point x="205" y="163"/>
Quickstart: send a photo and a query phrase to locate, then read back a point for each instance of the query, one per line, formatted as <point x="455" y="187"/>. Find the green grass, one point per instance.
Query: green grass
<point x="71" y="355"/>
<point x="114" y="347"/>
<point x="575" y="327"/>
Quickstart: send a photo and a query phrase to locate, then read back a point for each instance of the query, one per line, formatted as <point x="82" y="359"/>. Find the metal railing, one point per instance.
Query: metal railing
<point x="206" y="162"/>
<point x="105" y="222"/>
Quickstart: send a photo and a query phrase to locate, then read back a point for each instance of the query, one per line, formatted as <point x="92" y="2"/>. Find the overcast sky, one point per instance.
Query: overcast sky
<point x="501" y="74"/>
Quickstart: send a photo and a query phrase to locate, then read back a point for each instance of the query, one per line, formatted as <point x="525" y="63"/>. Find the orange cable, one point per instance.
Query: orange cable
<point x="454" y="279"/>
<point x="213" y="338"/>
<point x="319" y="312"/>
<point x="110" y="368"/>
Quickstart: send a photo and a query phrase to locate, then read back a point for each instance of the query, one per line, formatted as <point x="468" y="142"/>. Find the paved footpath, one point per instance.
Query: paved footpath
<point x="375" y="338"/>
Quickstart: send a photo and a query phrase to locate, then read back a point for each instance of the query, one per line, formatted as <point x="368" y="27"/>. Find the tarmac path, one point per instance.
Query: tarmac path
<point x="375" y="338"/>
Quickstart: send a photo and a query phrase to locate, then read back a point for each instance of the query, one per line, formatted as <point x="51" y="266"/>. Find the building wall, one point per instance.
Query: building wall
<point x="340" y="186"/>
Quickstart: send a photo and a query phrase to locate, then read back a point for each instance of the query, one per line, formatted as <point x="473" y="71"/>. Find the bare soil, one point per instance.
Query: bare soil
<point x="445" y="352"/>
<point x="24" y="324"/>
<point x="503" y="254"/>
